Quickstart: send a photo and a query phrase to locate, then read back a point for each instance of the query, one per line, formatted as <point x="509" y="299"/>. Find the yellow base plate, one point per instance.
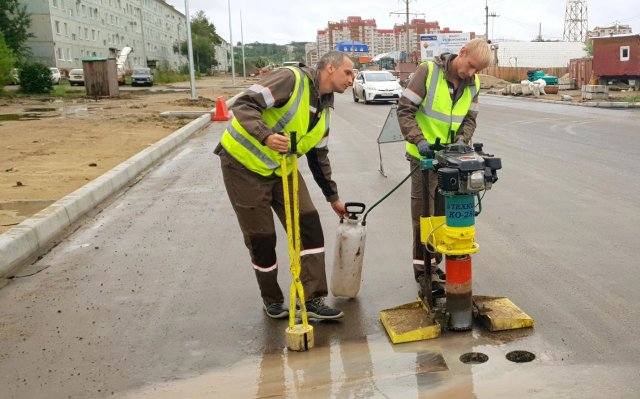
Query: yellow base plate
<point x="499" y="313"/>
<point x="409" y="322"/>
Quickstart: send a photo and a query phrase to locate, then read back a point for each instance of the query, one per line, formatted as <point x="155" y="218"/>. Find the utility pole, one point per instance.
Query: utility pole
<point x="406" y="13"/>
<point x="233" y="61"/>
<point x="486" y="20"/>
<point x="190" y="48"/>
<point x="244" y="69"/>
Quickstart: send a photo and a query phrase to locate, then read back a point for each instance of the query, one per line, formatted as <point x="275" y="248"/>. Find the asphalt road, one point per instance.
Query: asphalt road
<point x="153" y="295"/>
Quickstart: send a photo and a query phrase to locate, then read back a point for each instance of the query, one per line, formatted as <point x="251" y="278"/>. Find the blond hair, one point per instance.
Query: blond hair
<point x="480" y="49"/>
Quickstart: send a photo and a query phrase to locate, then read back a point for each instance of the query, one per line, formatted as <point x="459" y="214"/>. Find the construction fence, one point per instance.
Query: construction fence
<point x="516" y="74"/>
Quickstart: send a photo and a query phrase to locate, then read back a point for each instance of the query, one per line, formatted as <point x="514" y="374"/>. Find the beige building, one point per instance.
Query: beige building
<point x="68" y="31"/>
<point x="613" y="30"/>
<point x="380" y="41"/>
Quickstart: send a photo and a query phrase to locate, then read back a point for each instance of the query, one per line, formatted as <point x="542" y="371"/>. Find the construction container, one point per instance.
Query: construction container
<point x="581" y="71"/>
<point x="617" y="58"/>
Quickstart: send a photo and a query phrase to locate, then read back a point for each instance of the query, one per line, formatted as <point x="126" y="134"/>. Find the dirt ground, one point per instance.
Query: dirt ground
<point x="50" y="147"/>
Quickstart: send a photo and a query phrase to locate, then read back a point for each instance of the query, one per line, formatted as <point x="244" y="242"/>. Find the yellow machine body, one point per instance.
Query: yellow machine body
<point x="446" y="239"/>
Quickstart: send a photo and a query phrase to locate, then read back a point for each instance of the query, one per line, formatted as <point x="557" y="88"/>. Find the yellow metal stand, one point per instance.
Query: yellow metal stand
<point x="300" y="336"/>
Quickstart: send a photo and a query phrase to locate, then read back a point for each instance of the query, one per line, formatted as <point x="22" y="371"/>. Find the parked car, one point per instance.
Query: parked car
<point x="76" y="77"/>
<point x="55" y="75"/>
<point x="15" y="77"/>
<point x="141" y="76"/>
<point x="372" y="86"/>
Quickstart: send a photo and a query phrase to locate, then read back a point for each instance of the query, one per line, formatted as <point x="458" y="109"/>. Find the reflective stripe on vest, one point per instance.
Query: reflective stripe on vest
<point x="437" y="116"/>
<point x="293" y="116"/>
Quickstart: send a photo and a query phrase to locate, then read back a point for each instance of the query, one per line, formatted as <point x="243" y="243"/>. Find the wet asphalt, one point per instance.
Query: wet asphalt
<point x="153" y="295"/>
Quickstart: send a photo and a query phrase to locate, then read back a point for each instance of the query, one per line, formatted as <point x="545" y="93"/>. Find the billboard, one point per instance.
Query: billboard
<point x="435" y="44"/>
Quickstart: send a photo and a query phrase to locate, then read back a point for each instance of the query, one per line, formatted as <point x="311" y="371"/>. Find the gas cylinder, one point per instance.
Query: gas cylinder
<point x="349" y="252"/>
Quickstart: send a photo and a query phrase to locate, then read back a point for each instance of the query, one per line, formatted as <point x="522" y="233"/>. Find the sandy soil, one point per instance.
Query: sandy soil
<point x="57" y="146"/>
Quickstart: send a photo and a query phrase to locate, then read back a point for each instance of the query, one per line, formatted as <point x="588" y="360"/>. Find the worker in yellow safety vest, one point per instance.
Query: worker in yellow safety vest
<point x="291" y="99"/>
<point x="440" y="102"/>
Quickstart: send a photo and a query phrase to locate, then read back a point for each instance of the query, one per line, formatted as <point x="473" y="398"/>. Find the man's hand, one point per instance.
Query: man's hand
<point x="338" y="208"/>
<point x="277" y="142"/>
<point x="424" y="150"/>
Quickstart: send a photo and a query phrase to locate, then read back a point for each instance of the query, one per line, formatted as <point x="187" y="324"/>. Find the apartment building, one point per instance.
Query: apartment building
<point x="606" y="31"/>
<point x="380" y="41"/>
<point x="68" y="31"/>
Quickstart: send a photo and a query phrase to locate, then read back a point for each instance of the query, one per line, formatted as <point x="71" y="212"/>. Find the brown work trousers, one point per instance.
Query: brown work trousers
<point x="436" y="206"/>
<point x="253" y="197"/>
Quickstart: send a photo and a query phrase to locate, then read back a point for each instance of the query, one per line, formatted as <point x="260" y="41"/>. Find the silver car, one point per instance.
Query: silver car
<point x="141" y="76"/>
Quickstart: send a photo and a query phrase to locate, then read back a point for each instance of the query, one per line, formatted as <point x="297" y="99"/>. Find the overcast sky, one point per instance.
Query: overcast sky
<point x="283" y="21"/>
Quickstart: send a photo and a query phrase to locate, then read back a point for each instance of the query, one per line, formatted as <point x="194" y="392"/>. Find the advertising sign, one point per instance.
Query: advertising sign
<point x="435" y="44"/>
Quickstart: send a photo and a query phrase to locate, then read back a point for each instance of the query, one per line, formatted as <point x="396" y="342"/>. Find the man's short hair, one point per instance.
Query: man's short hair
<point x="333" y="57"/>
<point x="480" y="49"/>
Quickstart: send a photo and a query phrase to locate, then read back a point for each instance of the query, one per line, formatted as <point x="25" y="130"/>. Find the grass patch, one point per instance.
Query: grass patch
<point x="62" y="90"/>
<point x="630" y="99"/>
<point x="161" y="76"/>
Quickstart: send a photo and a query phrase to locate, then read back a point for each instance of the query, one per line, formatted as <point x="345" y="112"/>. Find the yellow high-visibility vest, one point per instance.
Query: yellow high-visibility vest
<point x="293" y="116"/>
<point x="437" y="116"/>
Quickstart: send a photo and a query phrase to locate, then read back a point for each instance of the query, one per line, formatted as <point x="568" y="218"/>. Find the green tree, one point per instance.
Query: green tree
<point x="35" y="78"/>
<point x="261" y="62"/>
<point x="6" y="62"/>
<point x="203" y="40"/>
<point x="14" y="24"/>
<point x="588" y="47"/>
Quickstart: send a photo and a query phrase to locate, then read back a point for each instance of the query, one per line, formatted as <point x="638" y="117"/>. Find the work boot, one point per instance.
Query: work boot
<point x="275" y="310"/>
<point x="316" y="309"/>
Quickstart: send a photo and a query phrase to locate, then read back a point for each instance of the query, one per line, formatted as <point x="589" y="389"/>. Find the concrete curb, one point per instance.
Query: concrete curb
<point x="598" y="104"/>
<point x="31" y="235"/>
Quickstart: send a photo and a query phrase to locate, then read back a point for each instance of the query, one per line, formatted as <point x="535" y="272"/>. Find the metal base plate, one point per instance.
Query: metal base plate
<point x="410" y="322"/>
<point x="499" y="313"/>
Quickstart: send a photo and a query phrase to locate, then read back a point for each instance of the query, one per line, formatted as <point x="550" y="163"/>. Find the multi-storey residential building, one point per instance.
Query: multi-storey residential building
<point x="380" y="41"/>
<point x="310" y="53"/>
<point x="613" y="30"/>
<point x="223" y="55"/>
<point x="66" y="31"/>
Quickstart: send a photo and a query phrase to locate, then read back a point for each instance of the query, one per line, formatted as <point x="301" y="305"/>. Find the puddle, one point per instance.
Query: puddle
<point x="14" y="212"/>
<point x="29" y="116"/>
<point x="40" y="109"/>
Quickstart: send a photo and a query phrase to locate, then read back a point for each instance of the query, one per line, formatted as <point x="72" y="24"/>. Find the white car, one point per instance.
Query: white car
<point x="55" y="75"/>
<point x="371" y="86"/>
<point x="76" y="77"/>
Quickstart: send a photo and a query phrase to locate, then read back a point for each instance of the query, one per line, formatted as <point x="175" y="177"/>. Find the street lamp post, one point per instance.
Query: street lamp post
<point x="244" y="68"/>
<point x="233" y="62"/>
<point x="190" y="48"/>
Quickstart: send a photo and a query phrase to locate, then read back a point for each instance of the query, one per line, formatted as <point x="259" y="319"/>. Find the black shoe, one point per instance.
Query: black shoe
<point x="275" y="310"/>
<point x="316" y="309"/>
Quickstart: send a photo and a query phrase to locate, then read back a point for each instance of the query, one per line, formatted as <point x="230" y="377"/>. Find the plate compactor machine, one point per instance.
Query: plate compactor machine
<point x="463" y="173"/>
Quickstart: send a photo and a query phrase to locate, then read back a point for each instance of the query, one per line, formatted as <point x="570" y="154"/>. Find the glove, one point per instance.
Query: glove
<point x="424" y="150"/>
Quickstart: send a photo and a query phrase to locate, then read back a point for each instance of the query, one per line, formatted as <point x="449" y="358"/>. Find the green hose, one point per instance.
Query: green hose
<point x="364" y="218"/>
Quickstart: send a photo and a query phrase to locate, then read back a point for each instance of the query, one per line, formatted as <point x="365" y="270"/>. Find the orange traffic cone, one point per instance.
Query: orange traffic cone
<point x="222" y="114"/>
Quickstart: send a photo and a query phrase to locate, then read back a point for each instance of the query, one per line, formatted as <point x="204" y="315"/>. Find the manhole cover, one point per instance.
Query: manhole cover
<point x="474" y="358"/>
<point x="520" y="356"/>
